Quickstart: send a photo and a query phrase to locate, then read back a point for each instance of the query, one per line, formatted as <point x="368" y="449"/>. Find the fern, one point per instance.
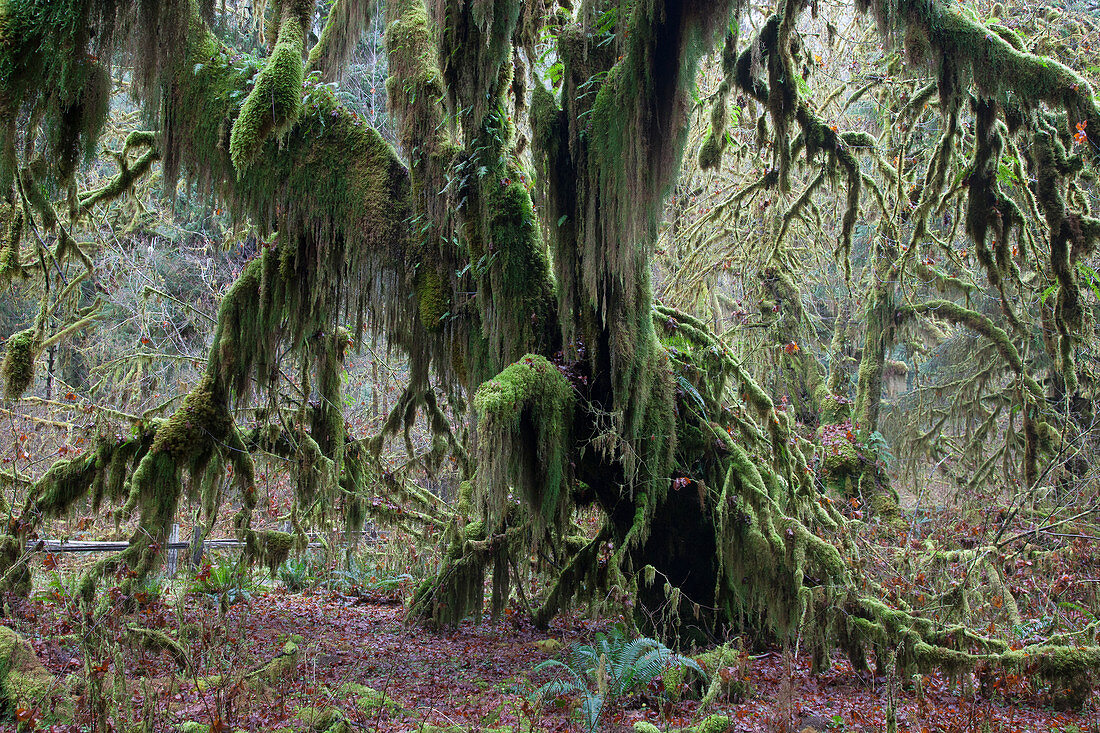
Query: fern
<point x="608" y="669"/>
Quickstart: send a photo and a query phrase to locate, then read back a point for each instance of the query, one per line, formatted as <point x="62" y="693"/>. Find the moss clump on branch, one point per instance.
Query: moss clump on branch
<point x="275" y="101"/>
<point x="203" y="418"/>
<point x="283" y="664"/>
<point x="270" y="547"/>
<point x="524" y="417"/>
<point x="156" y="641"/>
<point x="20" y="354"/>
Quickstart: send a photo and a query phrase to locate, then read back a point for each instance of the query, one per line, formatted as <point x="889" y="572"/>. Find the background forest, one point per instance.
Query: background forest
<point x="534" y="365"/>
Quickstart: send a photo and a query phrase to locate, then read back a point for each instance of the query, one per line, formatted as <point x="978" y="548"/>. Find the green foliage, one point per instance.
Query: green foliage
<point x="300" y="573"/>
<point x="612" y="667"/>
<point x="223" y="583"/>
<point x="365" y="580"/>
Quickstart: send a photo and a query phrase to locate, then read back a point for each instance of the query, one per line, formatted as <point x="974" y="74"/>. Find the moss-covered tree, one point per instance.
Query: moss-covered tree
<point x="523" y="293"/>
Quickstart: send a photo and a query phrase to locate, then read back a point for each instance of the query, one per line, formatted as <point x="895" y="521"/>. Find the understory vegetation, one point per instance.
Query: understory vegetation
<point x="684" y="360"/>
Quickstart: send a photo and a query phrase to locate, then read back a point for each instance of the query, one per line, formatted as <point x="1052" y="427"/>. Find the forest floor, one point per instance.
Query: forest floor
<point x="475" y="678"/>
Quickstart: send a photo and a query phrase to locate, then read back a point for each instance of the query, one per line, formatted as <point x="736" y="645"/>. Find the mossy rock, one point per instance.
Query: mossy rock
<point x="324" y="719"/>
<point x="547" y="646"/>
<point x="713" y="724"/>
<point x="842" y="467"/>
<point x="25" y="683"/>
<point x="192" y="726"/>
<point x="367" y="699"/>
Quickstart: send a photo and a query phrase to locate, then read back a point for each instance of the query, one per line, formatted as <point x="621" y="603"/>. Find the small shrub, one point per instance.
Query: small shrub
<point x="299" y="573"/>
<point x="364" y="580"/>
<point x="226" y="584"/>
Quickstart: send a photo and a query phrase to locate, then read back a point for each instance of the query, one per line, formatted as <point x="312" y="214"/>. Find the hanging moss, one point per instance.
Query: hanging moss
<point x="717" y="138"/>
<point x="524" y="417"/>
<point x="347" y="19"/>
<point x="55" y="67"/>
<point x="20" y="354"/>
<point x="270" y="547"/>
<point x="62" y="485"/>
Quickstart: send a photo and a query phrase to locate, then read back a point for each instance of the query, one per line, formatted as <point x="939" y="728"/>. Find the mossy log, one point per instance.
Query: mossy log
<point x="26" y="684"/>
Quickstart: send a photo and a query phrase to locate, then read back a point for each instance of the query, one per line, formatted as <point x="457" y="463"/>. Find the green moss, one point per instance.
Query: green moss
<point x="62" y="485"/>
<point x="17" y="575"/>
<point x="156" y="641"/>
<point x="275" y="101"/>
<point x="25" y="683"/>
<point x="433" y="297"/>
<point x="367" y="699"/>
<point x="713" y="724"/>
<point x="12" y="220"/>
<point x="324" y="719"/>
<point x="283" y="664"/>
<point x="841" y="467"/>
<point x="20" y="354"/>
<point x="343" y="28"/>
<point x="192" y="726"/>
<point x="525" y="413"/>
<point x="725" y="667"/>
<point x="270" y="547"/>
<point x="710" y="153"/>
<point x="201" y="420"/>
